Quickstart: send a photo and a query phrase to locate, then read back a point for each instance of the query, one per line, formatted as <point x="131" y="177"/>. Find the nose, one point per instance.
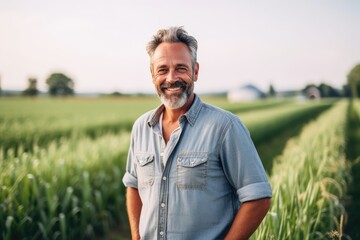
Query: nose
<point x="171" y="77"/>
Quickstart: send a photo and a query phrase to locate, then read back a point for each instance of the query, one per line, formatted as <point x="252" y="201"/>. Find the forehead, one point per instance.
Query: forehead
<point x="171" y="53"/>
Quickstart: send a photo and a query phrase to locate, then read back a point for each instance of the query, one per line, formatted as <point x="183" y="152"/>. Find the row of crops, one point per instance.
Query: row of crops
<point x="68" y="190"/>
<point x="309" y="180"/>
<point x="36" y="122"/>
<point x="353" y="156"/>
<point x="61" y="167"/>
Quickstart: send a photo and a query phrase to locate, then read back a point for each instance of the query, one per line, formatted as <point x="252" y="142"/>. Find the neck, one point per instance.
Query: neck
<point x="172" y="115"/>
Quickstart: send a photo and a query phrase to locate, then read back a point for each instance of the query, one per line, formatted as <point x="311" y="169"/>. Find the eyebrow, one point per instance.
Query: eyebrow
<point x="182" y="65"/>
<point x="162" y="66"/>
<point x="177" y="65"/>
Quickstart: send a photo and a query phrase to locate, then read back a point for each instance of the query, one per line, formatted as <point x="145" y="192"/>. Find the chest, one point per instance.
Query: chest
<point x="168" y="129"/>
<point x="186" y="147"/>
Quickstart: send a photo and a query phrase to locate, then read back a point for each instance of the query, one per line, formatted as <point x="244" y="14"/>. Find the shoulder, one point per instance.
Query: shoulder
<point x="218" y="116"/>
<point x="217" y="113"/>
<point x="144" y="119"/>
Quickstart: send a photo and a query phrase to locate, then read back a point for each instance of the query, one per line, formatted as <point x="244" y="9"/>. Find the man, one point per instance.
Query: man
<point x="192" y="170"/>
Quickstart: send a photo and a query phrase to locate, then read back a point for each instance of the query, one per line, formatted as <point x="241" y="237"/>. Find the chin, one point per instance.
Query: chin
<point x="174" y="102"/>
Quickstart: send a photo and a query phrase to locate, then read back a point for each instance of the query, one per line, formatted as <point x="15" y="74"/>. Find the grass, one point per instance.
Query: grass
<point x="309" y="179"/>
<point x="29" y="121"/>
<point x="241" y="107"/>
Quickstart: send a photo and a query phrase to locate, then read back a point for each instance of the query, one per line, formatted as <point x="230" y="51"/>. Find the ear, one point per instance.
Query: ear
<point x="196" y="72"/>
<point x="151" y="72"/>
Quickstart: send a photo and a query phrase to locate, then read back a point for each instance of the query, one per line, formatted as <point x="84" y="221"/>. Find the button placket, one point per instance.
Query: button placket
<point x="166" y="159"/>
<point x="163" y="191"/>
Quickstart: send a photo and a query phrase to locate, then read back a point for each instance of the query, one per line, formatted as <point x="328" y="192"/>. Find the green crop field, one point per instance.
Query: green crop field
<point x="62" y="161"/>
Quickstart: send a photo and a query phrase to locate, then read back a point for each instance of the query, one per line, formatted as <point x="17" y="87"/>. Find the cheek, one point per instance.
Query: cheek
<point x="155" y="78"/>
<point x="157" y="81"/>
<point x="190" y="77"/>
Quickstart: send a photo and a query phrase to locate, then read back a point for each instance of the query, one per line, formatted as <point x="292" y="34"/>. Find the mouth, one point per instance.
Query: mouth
<point x="174" y="87"/>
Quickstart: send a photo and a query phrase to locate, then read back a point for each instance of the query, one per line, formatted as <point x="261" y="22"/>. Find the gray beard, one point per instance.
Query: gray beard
<point x="174" y="102"/>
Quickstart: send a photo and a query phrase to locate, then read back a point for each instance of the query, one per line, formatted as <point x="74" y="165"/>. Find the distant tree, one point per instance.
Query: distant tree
<point x="0" y="86"/>
<point x="353" y="79"/>
<point x="116" y="94"/>
<point x="272" y="91"/>
<point x="346" y="91"/>
<point x="327" y="91"/>
<point x="31" y="90"/>
<point x="60" y="85"/>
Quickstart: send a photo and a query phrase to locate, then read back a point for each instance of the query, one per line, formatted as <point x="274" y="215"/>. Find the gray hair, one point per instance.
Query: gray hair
<point x="173" y="35"/>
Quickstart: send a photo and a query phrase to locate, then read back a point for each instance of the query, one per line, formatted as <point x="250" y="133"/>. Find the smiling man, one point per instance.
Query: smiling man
<point x="192" y="170"/>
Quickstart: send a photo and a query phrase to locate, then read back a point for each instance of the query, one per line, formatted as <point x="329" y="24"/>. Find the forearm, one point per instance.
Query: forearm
<point x="248" y="219"/>
<point x="133" y="205"/>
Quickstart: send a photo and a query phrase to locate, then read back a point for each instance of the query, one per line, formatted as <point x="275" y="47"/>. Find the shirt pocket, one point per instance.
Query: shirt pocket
<point x="145" y="169"/>
<point x="191" y="170"/>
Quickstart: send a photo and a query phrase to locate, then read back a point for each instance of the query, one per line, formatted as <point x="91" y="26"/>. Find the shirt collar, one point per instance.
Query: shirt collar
<point x="190" y="115"/>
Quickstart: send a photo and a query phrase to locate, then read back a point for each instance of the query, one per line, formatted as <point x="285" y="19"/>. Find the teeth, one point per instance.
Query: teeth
<point x="173" y="89"/>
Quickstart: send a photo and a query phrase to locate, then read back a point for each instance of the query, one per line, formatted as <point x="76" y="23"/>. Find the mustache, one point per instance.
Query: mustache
<point x="176" y="84"/>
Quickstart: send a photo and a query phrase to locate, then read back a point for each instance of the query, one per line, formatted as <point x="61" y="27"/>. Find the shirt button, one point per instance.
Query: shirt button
<point x="161" y="233"/>
<point x="164" y="178"/>
<point x="162" y="205"/>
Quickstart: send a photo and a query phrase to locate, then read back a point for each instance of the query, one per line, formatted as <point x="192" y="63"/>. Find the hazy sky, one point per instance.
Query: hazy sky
<point x="101" y="44"/>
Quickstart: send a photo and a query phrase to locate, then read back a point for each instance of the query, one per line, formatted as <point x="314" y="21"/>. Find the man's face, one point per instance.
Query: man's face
<point x="173" y="75"/>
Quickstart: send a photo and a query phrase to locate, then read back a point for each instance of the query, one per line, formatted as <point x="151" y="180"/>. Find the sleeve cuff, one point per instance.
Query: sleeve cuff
<point x="130" y="181"/>
<point x="254" y="191"/>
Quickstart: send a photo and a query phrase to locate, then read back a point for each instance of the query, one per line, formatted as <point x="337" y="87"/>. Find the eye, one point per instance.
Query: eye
<point x="181" y="69"/>
<point x="161" y="70"/>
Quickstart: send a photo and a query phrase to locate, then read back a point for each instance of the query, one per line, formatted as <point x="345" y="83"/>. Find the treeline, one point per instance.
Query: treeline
<point x="61" y="85"/>
<point x="58" y="85"/>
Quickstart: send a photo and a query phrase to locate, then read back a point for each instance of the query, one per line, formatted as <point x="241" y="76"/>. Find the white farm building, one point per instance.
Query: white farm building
<point x="245" y="93"/>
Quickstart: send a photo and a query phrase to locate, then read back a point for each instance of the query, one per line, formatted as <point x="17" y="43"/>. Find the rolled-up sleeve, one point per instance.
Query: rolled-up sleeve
<point x="254" y="191"/>
<point x="129" y="180"/>
<point x="130" y="176"/>
<point x="242" y="165"/>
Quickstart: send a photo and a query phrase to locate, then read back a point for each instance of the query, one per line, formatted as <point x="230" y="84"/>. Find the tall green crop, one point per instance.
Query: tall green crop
<point x="26" y="122"/>
<point x="309" y="179"/>
<point x="70" y="190"/>
<point x="266" y="123"/>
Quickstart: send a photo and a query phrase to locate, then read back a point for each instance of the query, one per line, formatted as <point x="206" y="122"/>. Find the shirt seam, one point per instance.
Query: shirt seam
<point x="223" y="134"/>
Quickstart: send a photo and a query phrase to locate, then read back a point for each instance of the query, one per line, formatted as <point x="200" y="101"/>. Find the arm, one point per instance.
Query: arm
<point x="133" y="205"/>
<point x="248" y="218"/>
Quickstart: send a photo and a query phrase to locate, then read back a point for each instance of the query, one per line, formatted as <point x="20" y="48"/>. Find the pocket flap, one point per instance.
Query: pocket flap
<point x="144" y="158"/>
<point x="191" y="159"/>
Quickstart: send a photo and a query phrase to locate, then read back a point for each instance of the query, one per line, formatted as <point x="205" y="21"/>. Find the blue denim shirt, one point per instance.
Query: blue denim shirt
<point x="211" y="167"/>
